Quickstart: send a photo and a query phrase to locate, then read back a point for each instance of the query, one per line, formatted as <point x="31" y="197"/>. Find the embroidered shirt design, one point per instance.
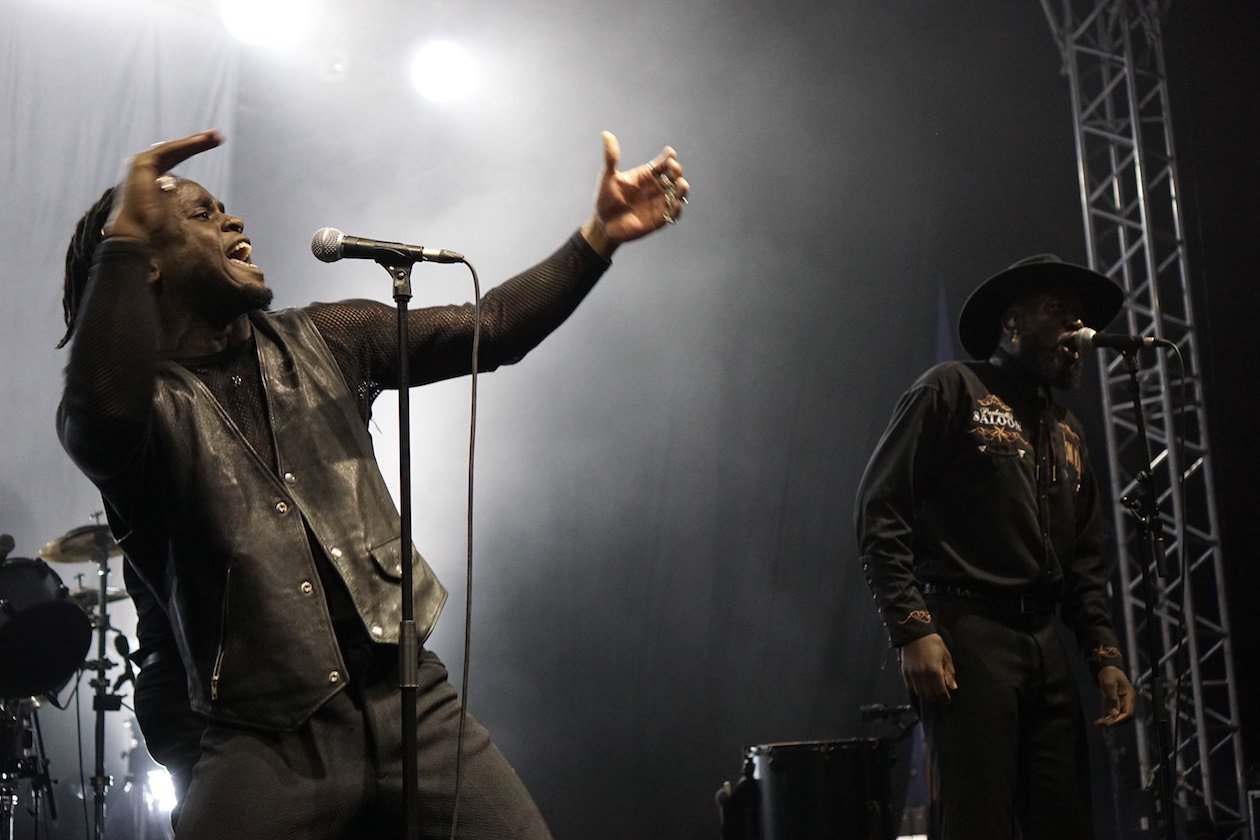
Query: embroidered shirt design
<point x="995" y="427"/>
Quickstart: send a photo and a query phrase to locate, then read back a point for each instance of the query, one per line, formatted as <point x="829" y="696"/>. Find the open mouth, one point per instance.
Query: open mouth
<point x="241" y="253"/>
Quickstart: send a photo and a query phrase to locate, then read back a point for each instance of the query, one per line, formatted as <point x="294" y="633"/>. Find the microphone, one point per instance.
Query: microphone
<point x="329" y="245"/>
<point x="6" y="545"/>
<point x="1085" y="338"/>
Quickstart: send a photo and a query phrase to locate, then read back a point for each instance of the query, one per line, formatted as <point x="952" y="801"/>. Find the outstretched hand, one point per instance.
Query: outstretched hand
<point x="635" y="202"/>
<point x="139" y="209"/>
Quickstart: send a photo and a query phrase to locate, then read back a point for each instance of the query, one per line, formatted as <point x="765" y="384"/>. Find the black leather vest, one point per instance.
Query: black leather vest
<point x="222" y="540"/>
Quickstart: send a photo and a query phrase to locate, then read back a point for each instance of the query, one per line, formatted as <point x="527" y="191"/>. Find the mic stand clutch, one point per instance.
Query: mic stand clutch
<point x="1145" y="511"/>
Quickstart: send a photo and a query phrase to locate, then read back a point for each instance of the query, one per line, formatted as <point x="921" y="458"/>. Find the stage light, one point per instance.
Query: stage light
<point x="442" y="71"/>
<point x="264" y="22"/>
<point x="159" y="791"/>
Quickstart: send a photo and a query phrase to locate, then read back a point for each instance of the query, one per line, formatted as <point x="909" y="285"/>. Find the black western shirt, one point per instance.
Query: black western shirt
<point x="981" y="482"/>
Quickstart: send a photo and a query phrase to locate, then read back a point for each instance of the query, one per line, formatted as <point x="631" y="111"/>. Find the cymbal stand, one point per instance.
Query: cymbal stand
<point x="103" y="700"/>
<point x="41" y="782"/>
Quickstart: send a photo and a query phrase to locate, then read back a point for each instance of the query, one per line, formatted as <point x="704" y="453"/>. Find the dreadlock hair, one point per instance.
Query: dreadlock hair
<point x="88" y="233"/>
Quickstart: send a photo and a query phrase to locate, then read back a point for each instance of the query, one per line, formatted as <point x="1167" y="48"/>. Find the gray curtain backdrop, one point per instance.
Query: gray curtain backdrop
<point x="665" y="565"/>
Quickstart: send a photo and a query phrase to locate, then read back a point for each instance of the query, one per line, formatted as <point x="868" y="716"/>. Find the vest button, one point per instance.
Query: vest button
<point x="378" y="630"/>
<point x="335" y="552"/>
<point x="282" y="507"/>
<point x="290" y="478"/>
<point x="334" y="677"/>
<point x="307" y="587"/>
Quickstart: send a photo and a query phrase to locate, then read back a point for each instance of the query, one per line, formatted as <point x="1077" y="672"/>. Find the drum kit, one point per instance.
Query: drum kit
<point x="46" y="632"/>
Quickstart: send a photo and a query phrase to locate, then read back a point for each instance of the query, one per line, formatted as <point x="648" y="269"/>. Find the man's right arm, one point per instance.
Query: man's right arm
<point x="901" y="471"/>
<point x="888" y="498"/>
<point x="103" y="417"/>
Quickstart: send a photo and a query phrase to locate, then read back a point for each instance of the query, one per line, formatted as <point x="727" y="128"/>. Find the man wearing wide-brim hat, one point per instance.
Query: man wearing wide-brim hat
<point x="978" y="520"/>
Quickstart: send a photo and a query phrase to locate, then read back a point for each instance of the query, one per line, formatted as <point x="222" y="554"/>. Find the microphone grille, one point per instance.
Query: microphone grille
<point x="326" y="244"/>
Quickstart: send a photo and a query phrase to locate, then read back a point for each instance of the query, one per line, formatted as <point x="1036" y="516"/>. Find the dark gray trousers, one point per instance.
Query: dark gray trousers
<point x="339" y="776"/>
<point x="1007" y="754"/>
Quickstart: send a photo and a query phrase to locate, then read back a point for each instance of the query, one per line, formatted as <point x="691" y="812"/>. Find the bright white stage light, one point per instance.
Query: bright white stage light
<point x="159" y="791"/>
<point x="264" y="22"/>
<point x="442" y="71"/>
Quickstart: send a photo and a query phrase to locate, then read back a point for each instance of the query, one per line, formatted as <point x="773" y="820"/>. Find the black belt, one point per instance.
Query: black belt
<point x="1031" y="605"/>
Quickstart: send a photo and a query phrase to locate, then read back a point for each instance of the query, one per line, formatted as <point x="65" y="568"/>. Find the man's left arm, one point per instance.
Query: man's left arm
<point x="519" y="313"/>
<point x="1087" y="608"/>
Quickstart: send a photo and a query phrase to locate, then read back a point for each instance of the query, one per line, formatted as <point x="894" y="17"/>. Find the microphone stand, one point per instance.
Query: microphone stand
<point x="408" y="645"/>
<point x="1145" y="511"/>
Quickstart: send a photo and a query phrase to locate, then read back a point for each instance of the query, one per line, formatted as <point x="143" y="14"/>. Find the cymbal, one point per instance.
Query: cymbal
<point x="88" y="598"/>
<point x="82" y="545"/>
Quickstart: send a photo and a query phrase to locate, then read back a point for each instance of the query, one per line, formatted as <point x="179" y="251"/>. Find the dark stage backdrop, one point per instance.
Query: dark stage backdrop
<point x="665" y="560"/>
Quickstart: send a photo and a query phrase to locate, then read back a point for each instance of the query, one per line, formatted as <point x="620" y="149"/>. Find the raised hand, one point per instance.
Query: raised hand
<point x="139" y="208"/>
<point x="635" y="202"/>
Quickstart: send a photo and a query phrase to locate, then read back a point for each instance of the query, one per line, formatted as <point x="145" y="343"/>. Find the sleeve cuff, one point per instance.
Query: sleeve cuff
<point x="1102" y="655"/>
<point x="912" y="625"/>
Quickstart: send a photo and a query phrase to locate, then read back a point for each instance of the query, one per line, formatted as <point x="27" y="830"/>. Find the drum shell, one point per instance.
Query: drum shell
<point x="822" y="790"/>
<point x="44" y="633"/>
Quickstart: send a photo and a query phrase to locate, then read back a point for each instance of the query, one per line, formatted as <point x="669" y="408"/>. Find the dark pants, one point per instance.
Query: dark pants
<point x="339" y="776"/>
<point x="1007" y="753"/>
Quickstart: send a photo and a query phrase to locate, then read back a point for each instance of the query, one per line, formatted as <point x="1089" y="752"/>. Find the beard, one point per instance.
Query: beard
<point x="1055" y="368"/>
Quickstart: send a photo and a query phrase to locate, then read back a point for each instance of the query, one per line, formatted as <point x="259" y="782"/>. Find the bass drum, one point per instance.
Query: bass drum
<point x="821" y="790"/>
<point x="44" y="633"/>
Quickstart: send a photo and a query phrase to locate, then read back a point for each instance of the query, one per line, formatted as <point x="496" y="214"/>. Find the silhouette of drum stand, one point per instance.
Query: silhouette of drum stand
<point x="44" y="633"/>
<point x="811" y="790"/>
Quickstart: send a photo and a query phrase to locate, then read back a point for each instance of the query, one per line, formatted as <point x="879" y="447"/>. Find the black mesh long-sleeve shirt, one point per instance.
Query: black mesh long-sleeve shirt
<point x="103" y="418"/>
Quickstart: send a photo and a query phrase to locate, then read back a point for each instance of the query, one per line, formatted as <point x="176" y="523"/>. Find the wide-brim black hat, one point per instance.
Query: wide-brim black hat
<point x="979" y="324"/>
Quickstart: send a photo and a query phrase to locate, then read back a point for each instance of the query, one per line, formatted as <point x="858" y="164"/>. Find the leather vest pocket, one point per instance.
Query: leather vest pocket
<point x="388" y="558"/>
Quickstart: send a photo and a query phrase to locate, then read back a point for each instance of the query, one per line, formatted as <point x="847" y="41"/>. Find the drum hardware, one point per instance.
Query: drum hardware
<point x="93" y="544"/>
<point x="84" y="544"/>
<point x="44" y="635"/>
<point x="87" y="598"/>
<point x="22" y="756"/>
<point x="98" y="544"/>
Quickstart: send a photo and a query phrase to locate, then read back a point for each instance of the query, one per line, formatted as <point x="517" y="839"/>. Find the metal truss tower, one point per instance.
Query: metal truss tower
<point x="1113" y="58"/>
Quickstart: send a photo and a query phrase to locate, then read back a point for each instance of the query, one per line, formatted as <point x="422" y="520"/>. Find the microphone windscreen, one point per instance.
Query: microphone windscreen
<point x="326" y="244"/>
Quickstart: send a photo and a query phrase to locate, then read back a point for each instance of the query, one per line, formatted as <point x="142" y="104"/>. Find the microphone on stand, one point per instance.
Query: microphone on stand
<point x="1086" y="338"/>
<point x="329" y="245"/>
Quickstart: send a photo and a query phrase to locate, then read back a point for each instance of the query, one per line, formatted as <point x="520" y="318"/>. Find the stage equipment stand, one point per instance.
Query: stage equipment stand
<point x="399" y="266"/>
<point x="1134" y="226"/>
<point x="103" y="699"/>
<point x="1145" y="510"/>
<point x="408" y="644"/>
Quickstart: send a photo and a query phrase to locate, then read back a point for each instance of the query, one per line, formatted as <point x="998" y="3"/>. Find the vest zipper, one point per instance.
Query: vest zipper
<point x="218" y="654"/>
